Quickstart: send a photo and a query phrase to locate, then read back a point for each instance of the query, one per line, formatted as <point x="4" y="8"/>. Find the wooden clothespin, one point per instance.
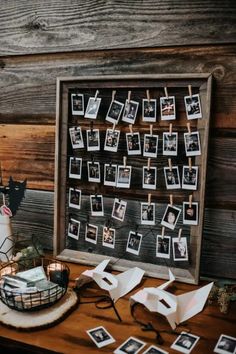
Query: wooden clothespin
<point x="91" y="126"/>
<point x="113" y="95"/>
<point x="149" y="163"/>
<point x="163" y="232"/>
<point x="190" y="90"/>
<point x="170" y="164"/>
<point x="129" y="96"/>
<point x="131" y="129"/>
<point x="148" y="95"/>
<point x="96" y="95"/>
<point x="3" y="199"/>
<point x="149" y="198"/>
<point x="190" y="164"/>
<point x="124" y="161"/>
<point x="179" y="234"/>
<point x="151" y="128"/>
<point x="171" y="199"/>
<point x="189" y="128"/>
<point x="113" y="127"/>
<point x="166" y="92"/>
<point x="190" y="200"/>
<point x="170" y="129"/>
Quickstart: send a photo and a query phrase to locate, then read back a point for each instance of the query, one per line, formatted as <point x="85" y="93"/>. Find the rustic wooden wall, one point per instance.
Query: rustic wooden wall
<point x="41" y="40"/>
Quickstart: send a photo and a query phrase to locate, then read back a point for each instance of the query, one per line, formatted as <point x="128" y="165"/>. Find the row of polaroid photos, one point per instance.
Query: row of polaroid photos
<point x="120" y="175"/>
<point x="130" y="108"/>
<point x="133" y="142"/>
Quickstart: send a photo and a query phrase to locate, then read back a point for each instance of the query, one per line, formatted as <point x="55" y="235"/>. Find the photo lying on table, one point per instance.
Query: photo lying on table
<point x="190" y="178"/>
<point x="150" y="145"/>
<point x="77" y="104"/>
<point x="73" y="228"/>
<point x="133" y="143"/>
<point x="171" y="216"/>
<point x="94" y="171"/>
<point x="163" y="246"/>
<point x="130" y="111"/>
<point x="149" y="110"/>
<point x="108" y="237"/>
<point x="225" y="345"/>
<point x="74" y="198"/>
<point x="124" y="176"/>
<point x="172" y="177"/>
<point x="134" y="242"/>
<point x="180" y="249"/>
<point x="91" y="233"/>
<point x="190" y="213"/>
<point x="92" y="108"/>
<point x="149" y="177"/>
<point x="154" y="350"/>
<point x="148" y="213"/>
<point x="114" y="112"/>
<point x="192" y="144"/>
<point x="112" y="140"/>
<point x="93" y="140"/>
<point x="193" y="106"/>
<point x="100" y="336"/>
<point x="119" y="209"/>
<point x="75" y="167"/>
<point x="167" y="105"/>
<point x="170" y="144"/>
<point x="76" y="138"/>
<point x="185" y="342"/>
<point x="131" y="345"/>
<point x="96" y="204"/>
<point x="110" y="174"/>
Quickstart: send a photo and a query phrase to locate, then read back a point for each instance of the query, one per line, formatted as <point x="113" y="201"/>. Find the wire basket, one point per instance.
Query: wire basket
<point x="34" y="298"/>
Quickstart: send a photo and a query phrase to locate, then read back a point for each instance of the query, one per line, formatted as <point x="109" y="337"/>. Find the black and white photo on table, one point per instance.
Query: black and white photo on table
<point x="73" y="228"/>
<point x="163" y="246"/>
<point x="190" y="213"/>
<point x="96" y="205"/>
<point x="91" y="233"/>
<point x="131" y="346"/>
<point x="130" y="111"/>
<point x="94" y="174"/>
<point x="112" y="140"/>
<point x="77" y="104"/>
<point x="167" y="106"/>
<point x="172" y="178"/>
<point x="190" y="177"/>
<point x="124" y="176"/>
<point x="92" y="107"/>
<point x="149" y="109"/>
<point x="119" y="209"/>
<point x="76" y="138"/>
<point x="170" y="144"/>
<point x="171" y="216"/>
<point x="148" y="213"/>
<point x="108" y="237"/>
<point x="193" y="106"/>
<point x="110" y="174"/>
<point x="100" y="336"/>
<point x="75" y="167"/>
<point x="114" y="112"/>
<point x="74" y="198"/>
<point x="93" y="139"/>
<point x="133" y="143"/>
<point x="192" y="144"/>
<point x="225" y="345"/>
<point x="134" y="243"/>
<point x="149" y="177"/>
<point x="155" y="350"/>
<point x="180" y="249"/>
<point x="150" y="145"/>
<point x="185" y="342"/>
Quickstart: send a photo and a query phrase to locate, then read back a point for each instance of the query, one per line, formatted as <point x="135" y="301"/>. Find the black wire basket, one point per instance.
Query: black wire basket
<point x="35" y="298"/>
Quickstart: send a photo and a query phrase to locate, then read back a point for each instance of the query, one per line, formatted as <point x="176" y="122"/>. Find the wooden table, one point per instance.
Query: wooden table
<point x="70" y="335"/>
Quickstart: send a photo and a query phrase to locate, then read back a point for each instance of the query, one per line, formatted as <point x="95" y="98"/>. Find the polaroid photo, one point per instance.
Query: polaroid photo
<point x="190" y="178"/>
<point x="110" y="174"/>
<point x="167" y="106"/>
<point x="124" y="176"/>
<point x="131" y="345"/>
<point x="170" y="144"/>
<point x="74" y="198"/>
<point x="193" y="107"/>
<point x="155" y="350"/>
<point x="172" y="178"/>
<point x="170" y="216"/>
<point x="96" y="204"/>
<point x="77" y="104"/>
<point x="133" y="144"/>
<point x="192" y="144"/>
<point x="74" y="228"/>
<point x="92" y="108"/>
<point x="108" y="237"/>
<point x="190" y="214"/>
<point x="119" y="209"/>
<point x="100" y="336"/>
<point x="93" y="139"/>
<point x="134" y="243"/>
<point x="148" y="213"/>
<point x="130" y="111"/>
<point x="185" y="342"/>
<point x="75" y="167"/>
<point x="225" y="345"/>
<point x="163" y="246"/>
<point x="94" y="174"/>
<point x="180" y="249"/>
<point x="149" y="177"/>
<point x="91" y="233"/>
<point x="114" y="112"/>
<point x="149" y="110"/>
<point x="76" y="138"/>
<point x="150" y="145"/>
<point x="112" y="140"/>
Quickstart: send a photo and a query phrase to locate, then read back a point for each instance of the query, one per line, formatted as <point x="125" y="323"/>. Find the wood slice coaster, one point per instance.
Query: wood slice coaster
<point x="48" y="317"/>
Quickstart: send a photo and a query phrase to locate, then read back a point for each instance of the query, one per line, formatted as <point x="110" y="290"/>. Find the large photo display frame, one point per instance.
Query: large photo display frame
<point x="130" y="171"/>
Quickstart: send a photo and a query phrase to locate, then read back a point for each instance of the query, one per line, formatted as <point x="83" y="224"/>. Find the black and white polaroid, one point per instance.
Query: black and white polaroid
<point x="112" y="140"/>
<point x="225" y="345"/>
<point x="185" y="342"/>
<point x="149" y="177"/>
<point x="163" y="246"/>
<point x="119" y="209"/>
<point x="167" y="106"/>
<point x="100" y="336"/>
<point x="190" y="213"/>
<point x="192" y="144"/>
<point x="108" y="237"/>
<point x="110" y="174"/>
<point x="93" y="139"/>
<point x="77" y="104"/>
<point x="190" y="178"/>
<point x="130" y="111"/>
<point x="76" y="138"/>
<point x="150" y="145"/>
<point x="133" y="143"/>
<point x="74" y="228"/>
<point x="123" y="176"/>
<point x="92" y="108"/>
<point x="91" y="233"/>
<point x="149" y="110"/>
<point x="74" y="198"/>
<point x="75" y="167"/>
<point x="172" y="178"/>
<point x="171" y="216"/>
<point x="131" y="346"/>
<point x="148" y="213"/>
<point x="170" y="144"/>
<point x="134" y="242"/>
<point x="94" y="174"/>
<point x="193" y="106"/>
<point x="96" y="204"/>
<point x="180" y="249"/>
<point x="154" y="350"/>
<point x="114" y="112"/>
